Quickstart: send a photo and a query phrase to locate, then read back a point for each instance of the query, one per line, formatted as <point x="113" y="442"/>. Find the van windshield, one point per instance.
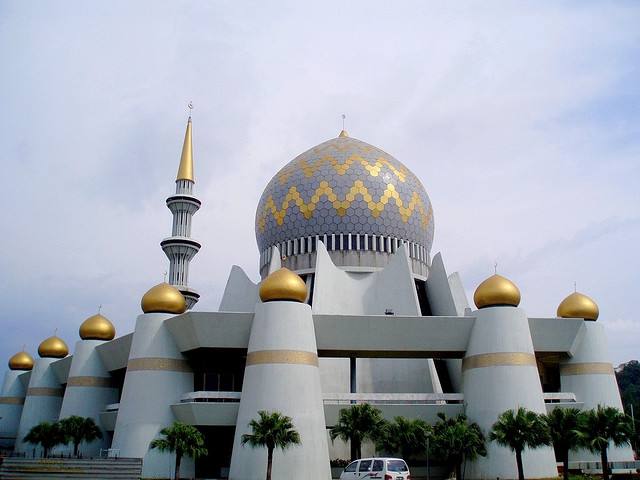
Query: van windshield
<point x="396" y="466"/>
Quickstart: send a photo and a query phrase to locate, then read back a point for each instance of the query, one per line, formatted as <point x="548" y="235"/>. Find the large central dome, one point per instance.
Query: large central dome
<point x="349" y="194"/>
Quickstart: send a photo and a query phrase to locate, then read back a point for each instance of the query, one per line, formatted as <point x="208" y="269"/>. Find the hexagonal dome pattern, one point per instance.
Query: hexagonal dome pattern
<point x="344" y="185"/>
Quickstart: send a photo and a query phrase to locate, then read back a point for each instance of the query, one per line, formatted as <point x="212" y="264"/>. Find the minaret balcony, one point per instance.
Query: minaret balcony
<point x="180" y="247"/>
<point x="183" y="203"/>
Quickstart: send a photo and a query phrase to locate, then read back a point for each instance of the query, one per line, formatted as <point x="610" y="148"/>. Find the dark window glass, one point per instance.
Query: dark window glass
<point x="396" y="466"/>
<point x="378" y="465"/>
<point x="365" y="465"/>
<point x="351" y="467"/>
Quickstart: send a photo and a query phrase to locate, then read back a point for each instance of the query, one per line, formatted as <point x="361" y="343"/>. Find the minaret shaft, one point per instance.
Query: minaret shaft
<point x="180" y="248"/>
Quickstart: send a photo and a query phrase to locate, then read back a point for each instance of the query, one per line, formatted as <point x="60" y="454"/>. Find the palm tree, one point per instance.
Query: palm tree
<point x="564" y="433"/>
<point x="184" y="440"/>
<point x="404" y="436"/>
<point x="357" y="423"/>
<point x="272" y="430"/>
<point x="519" y="430"/>
<point x="455" y="441"/>
<point x="79" y="429"/>
<point x="598" y="427"/>
<point x="46" y="434"/>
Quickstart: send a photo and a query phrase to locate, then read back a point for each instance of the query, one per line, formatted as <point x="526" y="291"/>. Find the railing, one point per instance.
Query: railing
<point x="340" y="398"/>
<point x="204" y="396"/>
<point x="559" y="397"/>
<point x="393" y="398"/>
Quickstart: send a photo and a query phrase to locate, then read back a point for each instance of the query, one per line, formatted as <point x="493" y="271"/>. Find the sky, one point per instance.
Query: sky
<point x="522" y="119"/>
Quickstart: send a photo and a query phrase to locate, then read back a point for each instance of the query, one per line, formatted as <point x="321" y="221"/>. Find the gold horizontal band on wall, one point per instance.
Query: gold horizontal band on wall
<point x="12" y="400"/>
<point x="104" y="382"/>
<point x="158" y="364"/>
<point x="44" y="392"/>
<point x="501" y="359"/>
<point x="587" y="368"/>
<point x="295" y="357"/>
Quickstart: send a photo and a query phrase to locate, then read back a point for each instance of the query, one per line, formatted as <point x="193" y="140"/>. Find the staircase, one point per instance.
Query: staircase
<point x="71" y="468"/>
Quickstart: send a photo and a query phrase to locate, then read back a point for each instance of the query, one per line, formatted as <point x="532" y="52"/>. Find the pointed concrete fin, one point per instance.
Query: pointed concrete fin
<point x="276" y="260"/>
<point x="438" y="290"/>
<point x="240" y="294"/>
<point x="330" y="284"/>
<point x="395" y="286"/>
<point x="459" y="295"/>
<point x="185" y="170"/>
<point x="25" y="378"/>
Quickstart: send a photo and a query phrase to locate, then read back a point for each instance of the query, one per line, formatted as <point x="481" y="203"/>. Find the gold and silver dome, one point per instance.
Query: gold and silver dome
<point x="352" y="196"/>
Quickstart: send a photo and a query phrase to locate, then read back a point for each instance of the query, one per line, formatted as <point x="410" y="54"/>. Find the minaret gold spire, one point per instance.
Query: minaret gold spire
<point x="185" y="170"/>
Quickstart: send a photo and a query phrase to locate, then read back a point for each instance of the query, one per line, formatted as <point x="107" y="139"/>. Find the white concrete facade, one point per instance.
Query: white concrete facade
<point x="11" y="404"/>
<point x="42" y="402"/>
<point x="283" y="378"/>
<point x="500" y="373"/>
<point x="157" y="376"/>
<point x="89" y="389"/>
<point x="590" y="375"/>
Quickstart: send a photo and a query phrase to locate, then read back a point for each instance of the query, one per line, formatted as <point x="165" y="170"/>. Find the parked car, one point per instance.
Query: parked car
<point x="381" y="468"/>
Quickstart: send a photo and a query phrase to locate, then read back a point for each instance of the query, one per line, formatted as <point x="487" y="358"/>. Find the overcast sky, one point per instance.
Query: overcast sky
<point x="521" y="119"/>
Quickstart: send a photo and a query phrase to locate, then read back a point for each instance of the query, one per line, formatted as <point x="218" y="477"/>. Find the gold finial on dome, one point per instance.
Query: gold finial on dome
<point x="163" y="298"/>
<point x="185" y="170"/>
<point x="285" y="285"/>
<point x="53" y="347"/>
<point x="21" y="361"/>
<point x="97" y="327"/>
<point x="343" y="133"/>
<point x="578" y="305"/>
<point x="496" y="290"/>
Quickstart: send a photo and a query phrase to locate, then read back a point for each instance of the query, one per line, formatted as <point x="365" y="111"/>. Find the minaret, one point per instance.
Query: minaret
<point x="180" y="248"/>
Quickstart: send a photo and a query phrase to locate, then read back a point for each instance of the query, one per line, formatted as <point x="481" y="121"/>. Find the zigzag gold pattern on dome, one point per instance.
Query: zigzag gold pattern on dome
<point x="310" y="168"/>
<point x="358" y="189"/>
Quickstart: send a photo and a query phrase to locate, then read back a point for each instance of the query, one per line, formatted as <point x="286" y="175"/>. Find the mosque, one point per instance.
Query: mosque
<point x="351" y="307"/>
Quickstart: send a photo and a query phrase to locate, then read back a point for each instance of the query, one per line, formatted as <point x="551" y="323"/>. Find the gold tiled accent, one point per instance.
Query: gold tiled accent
<point x="12" y="400"/>
<point x="587" y="368"/>
<point x="87" y="381"/>
<point x="155" y="363"/>
<point x="358" y="188"/>
<point x="282" y="356"/>
<point x="44" y="392"/>
<point x="501" y="359"/>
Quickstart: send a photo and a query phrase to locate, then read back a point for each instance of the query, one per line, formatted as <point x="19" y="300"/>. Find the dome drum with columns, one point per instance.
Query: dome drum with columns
<point x="358" y="200"/>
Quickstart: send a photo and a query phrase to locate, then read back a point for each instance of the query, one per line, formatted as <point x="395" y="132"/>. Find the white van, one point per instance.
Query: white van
<point x="381" y="468"/>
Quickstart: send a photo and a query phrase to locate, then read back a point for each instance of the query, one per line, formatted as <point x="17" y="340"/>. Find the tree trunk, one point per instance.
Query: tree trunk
<point x="565" y="464"/>
<point x="269" y="462"/>
<point x="76" y="448"/>
<point x="605" y="463"/>
<point x="519" y="463"/>
<point x="46" y="452"/>
<point x="459" y="471"/>
<point x="178" y="462"/>
<point x="355" y="446"/>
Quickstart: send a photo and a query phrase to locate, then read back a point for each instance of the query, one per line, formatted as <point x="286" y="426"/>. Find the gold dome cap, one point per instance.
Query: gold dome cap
<point x="53" y="347"/>
<point x="21" y="361"/>
<point x="283" y="284"/>
<point x="496" y="290"/>
<point x="163" y="298"/>
<point x="97" y="327"/>
<point x="578" y="305"/>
